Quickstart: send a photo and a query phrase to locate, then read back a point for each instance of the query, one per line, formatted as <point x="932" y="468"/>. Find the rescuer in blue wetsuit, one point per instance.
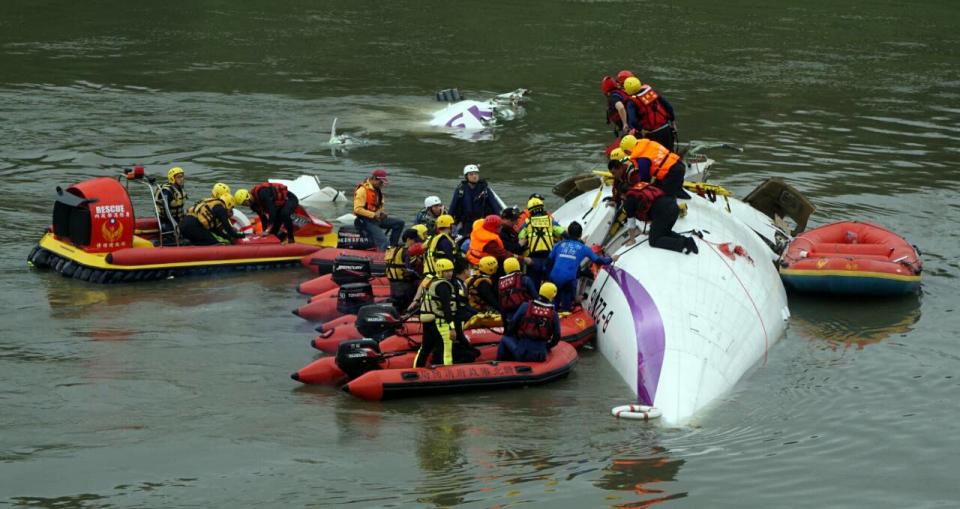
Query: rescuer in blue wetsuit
<point x="565" y="260"/>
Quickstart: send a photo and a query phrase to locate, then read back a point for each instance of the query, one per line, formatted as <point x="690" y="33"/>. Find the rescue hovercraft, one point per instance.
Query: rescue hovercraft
<point x="851" y="258"/>
<point x="96" y="237"/>
<point x="680" y="329"/>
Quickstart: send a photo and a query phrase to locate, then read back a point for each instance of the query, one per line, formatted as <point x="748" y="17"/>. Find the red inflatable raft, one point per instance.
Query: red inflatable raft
<point x="381" y="384"/>
<point x="325" y="283"/>
<point x="325" y="371"/>
<point x="321" y="262"/>
<point x="577" y="328"/>
<point x="851" y="258"/>
<point x="341" y="301"/>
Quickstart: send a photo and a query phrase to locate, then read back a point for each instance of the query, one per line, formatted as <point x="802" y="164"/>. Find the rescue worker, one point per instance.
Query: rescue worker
<point x="219" y="189"/>
<point x="170" y="198"/>
<point x="473" y="199"/>
<point x="508" y="229"/>
<point x="513" y="288"/>
<point x="437" y="314"/>
<point x="647" y="202"/>
<point x="368" y="206"/>
<point x="440" y="245"/>
<point x="402" y="276"/>
<point x="525" y="213"/>
<point x="533" y="330"/>
<point x="207" y="223"/>
<point x="432" y="209"/>
<point x="481" y="293"/>
<point x="538" y="236"/>
<point x="649" y="114"/>
<point x="616" y="105"/>
<point x="422" y="231"/>
<point x="654" y="163"/>
<point x="565" y="261"/>
<point x="274" y="204"/>
<point x="485" y="240"/>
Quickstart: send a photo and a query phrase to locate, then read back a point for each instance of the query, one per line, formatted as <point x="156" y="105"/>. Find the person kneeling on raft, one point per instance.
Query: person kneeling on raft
<point x="438" y="312"/>
<point x="207" y="223"/>
<point x="533" y="330"/>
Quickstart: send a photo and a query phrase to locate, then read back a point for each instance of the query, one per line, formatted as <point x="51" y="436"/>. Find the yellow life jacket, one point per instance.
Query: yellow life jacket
<point x="539" y="234"/>
<point x="473" y="295"/>
<point x="396" y="269"/>
<point x="431" y="307"/>
<point x="203" y="211"/>
<point x="177" y="198"/>
<point x="430" y="252"/>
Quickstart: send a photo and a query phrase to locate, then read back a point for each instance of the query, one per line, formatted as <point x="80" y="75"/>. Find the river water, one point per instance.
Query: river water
<point x="176" y="393"/>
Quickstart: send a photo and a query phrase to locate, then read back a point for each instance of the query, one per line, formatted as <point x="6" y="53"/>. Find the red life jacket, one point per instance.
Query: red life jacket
<point x="512" y="292"/>
<point x="279" y="194"/>
<point x="647" y="194"/>
<point x="537" y="322"/>
<point x="613" y="116"/>
<point x="652" y="114"/>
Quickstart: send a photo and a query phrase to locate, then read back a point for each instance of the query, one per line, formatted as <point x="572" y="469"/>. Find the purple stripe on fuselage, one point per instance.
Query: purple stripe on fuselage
<point x="648" y="330"/>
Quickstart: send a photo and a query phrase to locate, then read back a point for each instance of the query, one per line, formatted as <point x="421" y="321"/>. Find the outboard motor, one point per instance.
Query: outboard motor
<point x="378" y="321"/>
<point x="351" y="269"/>
<point x="450" y="95"/>
<point x="352" y="238"/>
<point x="357" y="356"/>
<point x="354" y="296"/>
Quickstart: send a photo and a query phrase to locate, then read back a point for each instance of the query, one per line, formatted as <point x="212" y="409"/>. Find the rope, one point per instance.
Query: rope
<point x="766" y="338"/>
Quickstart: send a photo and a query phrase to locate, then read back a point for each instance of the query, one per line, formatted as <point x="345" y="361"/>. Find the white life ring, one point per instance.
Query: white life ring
<point x="642" y="412"/>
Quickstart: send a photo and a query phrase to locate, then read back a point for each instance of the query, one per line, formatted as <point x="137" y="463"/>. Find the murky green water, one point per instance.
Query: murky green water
<point x="176" y="393"/>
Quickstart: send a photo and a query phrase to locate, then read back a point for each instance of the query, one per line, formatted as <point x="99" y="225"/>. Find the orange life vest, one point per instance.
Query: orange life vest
<point x="661" y="159"/>
<point x="374" y="196"/>
<point x="479" y="238"/>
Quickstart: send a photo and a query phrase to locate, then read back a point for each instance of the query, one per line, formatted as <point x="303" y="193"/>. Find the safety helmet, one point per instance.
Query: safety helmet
<point x="492" y="223"/>
<point x="631" y="85"/>
<point x="415" y="250"/>
<point x="241" y="197"/>
<point x="488" y="265"/>
<point x="617" y="154"/>
<point x="511" y="265"/>
<point x="173" y="172"/>
<point x="548" y="290"/>
<point x="430" y="201"/>
<point x="470" y="168"/>
<point x="443" y="265"/>
<point x="227" y="200"/>
<point x="534" y="202"/>
<point x="623" y="75"/>
<point x="220" y="189"/>
<point x="607" y="85"/>
<point x="421" y="230"/>
<point x="444" y="221"/>
<point x="628" y="142"/>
